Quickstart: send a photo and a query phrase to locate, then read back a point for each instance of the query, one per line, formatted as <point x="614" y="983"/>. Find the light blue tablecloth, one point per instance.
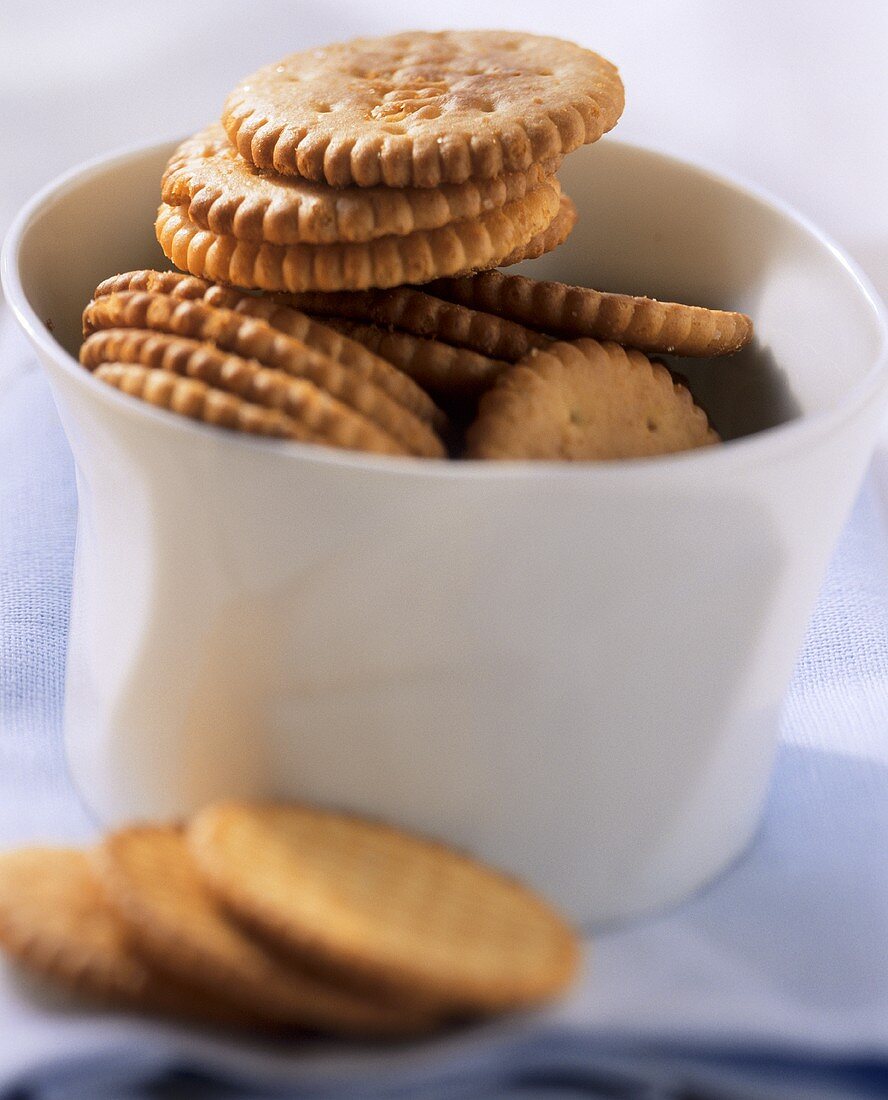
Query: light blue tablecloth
<point x="773" y="982"/>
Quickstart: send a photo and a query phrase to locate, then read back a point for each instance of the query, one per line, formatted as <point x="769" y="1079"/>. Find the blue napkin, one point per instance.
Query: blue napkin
<point x="772" y="982"/>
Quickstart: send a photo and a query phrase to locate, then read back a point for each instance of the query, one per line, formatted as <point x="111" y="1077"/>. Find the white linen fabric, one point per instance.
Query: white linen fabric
<point x="772" y="982"/>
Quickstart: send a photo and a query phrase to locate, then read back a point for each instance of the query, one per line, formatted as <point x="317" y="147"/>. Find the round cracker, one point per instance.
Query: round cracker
<point x="421" y="109"/>
<point x="311" y="415"/>
<point x="453" y="249"/>
<point x="198" y="401"/>
<point x="396" y="910"/>
<point x="443" y="369"/>
<point x="176" y="283"/>
<point x="550" y="238"/>
<point x="586" y="401"/>
<point x="153" y="884"/>
<point x="396" y="383"/>
<point x="221" y="192"/>
<point x="252" y="338"/>
<point x="578" y="311"/>
<point x="412" y="310"/>
<point x="55" y="921"/>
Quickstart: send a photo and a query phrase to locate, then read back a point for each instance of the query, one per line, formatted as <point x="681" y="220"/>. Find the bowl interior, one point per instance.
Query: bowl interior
<point x="648" y="224"/>
<point x="651" y="225"/>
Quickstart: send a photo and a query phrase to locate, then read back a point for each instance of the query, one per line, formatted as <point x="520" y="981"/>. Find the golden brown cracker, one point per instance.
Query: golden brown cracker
<point x="396" y="383"/>
<point x="585" y="401"/>
<point x="220" y="191"/>
<point x="317" y="417"/>
<point x="198" y="401"/>
<point x="394" y="909"/>
<point x="175" y="283"/>
<point x="421" y="109"/>
<point x="453" y="249"/>
<point x="575" y="311"/>
<point x="56" y="922"/>
<point x="550" y="238"/>
<point x="443" y="369"/>
<point x="253" y="338"/>
<point x="152" y="882"/>
<point x="412" y="310"/>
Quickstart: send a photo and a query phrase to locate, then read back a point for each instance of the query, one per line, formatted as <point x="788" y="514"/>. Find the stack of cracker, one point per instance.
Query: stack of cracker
<point x="385" y="161"/>
<point x="283" y="917"/>
<point x="338" y="179"/>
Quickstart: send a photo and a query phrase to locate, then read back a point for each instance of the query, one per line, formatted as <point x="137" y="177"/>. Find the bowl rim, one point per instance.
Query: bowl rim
<point x="761" y="447"/>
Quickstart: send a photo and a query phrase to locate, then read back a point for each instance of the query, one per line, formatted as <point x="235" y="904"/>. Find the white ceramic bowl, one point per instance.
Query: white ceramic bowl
<point x="574" y="671"/>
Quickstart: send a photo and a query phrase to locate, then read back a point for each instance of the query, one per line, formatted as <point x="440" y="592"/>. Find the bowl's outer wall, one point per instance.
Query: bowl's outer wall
<point x="576" y="676"/>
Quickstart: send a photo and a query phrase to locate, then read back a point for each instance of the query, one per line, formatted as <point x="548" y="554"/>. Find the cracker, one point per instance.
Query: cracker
<point x="421" y="109"/>
<point x="442" y="368"/>
<point x="585" y="401"/>
<point x="575" y="311"/>
<point x="550" y="238"/>
<point x="153" y="884"/>
<point x="397" y="910"/>
<point x="454" y="249"/>
<point x="317" y="417"/>
<point x="198" y="401"/>
<point x="413" y="310"/>
<point x="218" y="190"/>
<point x="398" y="385"/>
<point x="56" y="922"/>
<point x="253" y="338"/>
<point x="156" y="282"/>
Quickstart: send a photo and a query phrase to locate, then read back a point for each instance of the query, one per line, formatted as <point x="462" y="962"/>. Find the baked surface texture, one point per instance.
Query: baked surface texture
<point x="586" y="401"/>
<point x="420" y="109"/>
